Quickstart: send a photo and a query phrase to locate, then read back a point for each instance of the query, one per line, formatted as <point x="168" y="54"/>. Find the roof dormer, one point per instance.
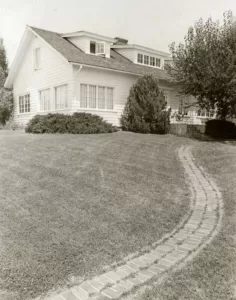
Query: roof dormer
<point x="142" y="55"/>
<point x="91" y="43"/>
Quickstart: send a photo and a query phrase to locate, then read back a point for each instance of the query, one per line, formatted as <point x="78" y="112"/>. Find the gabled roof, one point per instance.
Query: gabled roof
<point x="73" y="54"/>
<point x="88" y="34"/>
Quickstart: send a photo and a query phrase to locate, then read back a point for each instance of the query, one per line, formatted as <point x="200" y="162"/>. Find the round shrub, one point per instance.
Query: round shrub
<point x="145" y="110"/>
<point x="78" y="123"/>
<point x="220" y="129"/>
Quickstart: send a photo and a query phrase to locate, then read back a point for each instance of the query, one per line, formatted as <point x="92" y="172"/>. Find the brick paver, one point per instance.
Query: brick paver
<point x="179" y="247"/>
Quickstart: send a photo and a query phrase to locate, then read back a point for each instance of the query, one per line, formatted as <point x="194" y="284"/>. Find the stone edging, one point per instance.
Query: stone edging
<point x="185" y="242"/>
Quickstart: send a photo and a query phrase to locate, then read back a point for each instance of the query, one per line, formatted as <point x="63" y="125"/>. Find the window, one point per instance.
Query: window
<point x="97" y="48"/>
<point x="93" y="47"/>
<point x="92" y="96"/>
<point x="101" y="97"/>
<point x="24" y="104"/>
<point x="206" y="113"/>
<point x="152" y="61"/>
<point x="140" y="58"/>
<point x="158" y="62"/>
<point x="44" y="98"/>
<point x="96" y="97"/>
<point x="149" y="60"/>
<point x="37" y="58"/>
<point x="109" y="98"/>
<point x="83" y="95"/>
<point x="100" y="48"/>
<point x="61" y="96"/>
<point x="146" y="59"/>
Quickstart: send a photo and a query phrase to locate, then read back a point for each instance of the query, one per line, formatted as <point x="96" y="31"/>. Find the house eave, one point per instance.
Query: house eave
<point x="90" y="35"/>
<point x="142" y="48"/>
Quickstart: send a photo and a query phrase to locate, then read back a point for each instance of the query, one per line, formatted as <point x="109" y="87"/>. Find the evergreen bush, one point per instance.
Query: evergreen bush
<point x="145" y="110"/>
<point x="78" y="123"/>
<point x="220" y="129"/>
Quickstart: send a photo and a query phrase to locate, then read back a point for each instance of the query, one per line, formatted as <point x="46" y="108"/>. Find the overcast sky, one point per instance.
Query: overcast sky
<point x="151" y="23"/>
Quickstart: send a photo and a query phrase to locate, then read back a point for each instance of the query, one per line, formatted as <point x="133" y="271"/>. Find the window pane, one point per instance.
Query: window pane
<point x="57" y="98"/>
<point x="100" y="48"/>
<point x="92" y="47"/>
<point x="92" y="96"/>
<point x="140" y="58"/>
<point x="152" y="61"/>
<point x="146" y="60"/>
<point x="158" y="62"/>
<point x="83" y="95"/>
<point x="109" y="98"/>
<point x="21" y="104"/>
<point x="45" y="103"/>
<point x="101" y="97"/>
<point x="61" y="97"/>
<point x="27" y="103"/>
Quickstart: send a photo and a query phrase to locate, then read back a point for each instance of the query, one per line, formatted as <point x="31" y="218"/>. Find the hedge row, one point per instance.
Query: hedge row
<point x="78" y="123"/>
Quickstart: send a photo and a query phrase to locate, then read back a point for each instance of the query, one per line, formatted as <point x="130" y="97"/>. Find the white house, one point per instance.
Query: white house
<point x="83" y="71"/>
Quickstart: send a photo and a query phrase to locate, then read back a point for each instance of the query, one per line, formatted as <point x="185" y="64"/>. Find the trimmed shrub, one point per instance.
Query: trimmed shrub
<point x="220" y="129"/>
<point x="78" y="123"/>
<point x="145" y="110"/>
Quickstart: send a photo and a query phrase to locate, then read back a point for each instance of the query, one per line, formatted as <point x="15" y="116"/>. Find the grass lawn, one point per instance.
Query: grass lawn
<point x="72" y="204"/>
<point x="211" y="275"/>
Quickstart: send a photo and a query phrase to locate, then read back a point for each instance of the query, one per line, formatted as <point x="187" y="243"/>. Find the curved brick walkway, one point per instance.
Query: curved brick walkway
<point x="198" y="229"/>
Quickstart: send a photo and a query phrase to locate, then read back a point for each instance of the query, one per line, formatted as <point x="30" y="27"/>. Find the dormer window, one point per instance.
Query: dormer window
<point x="149" y="60"/>
<point x="152" y="61"/>
<point x="97" y="47"/>
<point x="140" y="58"/>
<point x="146" y="59"/>
<point x="93" y="47"/>
<point x="37" y="58"/>
<point x="100" y="48"/>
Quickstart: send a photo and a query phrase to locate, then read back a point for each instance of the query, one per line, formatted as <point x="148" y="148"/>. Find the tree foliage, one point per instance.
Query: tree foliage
<point x="6" y="96"/>
<point x="205" y="64"/>
<point x="3" y="59"/>
<point x="145" y="110"/>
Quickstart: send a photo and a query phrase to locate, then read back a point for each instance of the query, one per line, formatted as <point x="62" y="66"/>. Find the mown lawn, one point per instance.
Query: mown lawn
<point x="212" y="274"/>
<point x="72" y="204"/>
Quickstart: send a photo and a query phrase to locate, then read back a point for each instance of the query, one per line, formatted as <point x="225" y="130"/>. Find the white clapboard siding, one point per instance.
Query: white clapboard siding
<point x="81" y="42"/>
<point x="54" y="71"/>
<point x="119" y="81"/>
<point x="129" y="53"/>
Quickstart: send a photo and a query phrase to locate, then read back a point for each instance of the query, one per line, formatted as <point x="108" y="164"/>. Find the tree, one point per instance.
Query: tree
<point x="205" y="64"/>
<point x="145" y="110"/>
<point x="6" y="96"/>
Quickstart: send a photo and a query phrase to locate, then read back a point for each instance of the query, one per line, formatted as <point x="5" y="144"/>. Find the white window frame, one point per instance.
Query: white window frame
<point x="206" y="114"/>
<point x="140" y="55"/>
<point x="67" y="94"/>
<point x="51" y="104"/>
<point x="37" y="60"/>
<point x="100" y="44"/>
<point x="158" y="59"/>
<point x="97" y="94"/>
<point x="152" y="59"/>
<point x="147" y="57"/>
<point x="25" y="105"/>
